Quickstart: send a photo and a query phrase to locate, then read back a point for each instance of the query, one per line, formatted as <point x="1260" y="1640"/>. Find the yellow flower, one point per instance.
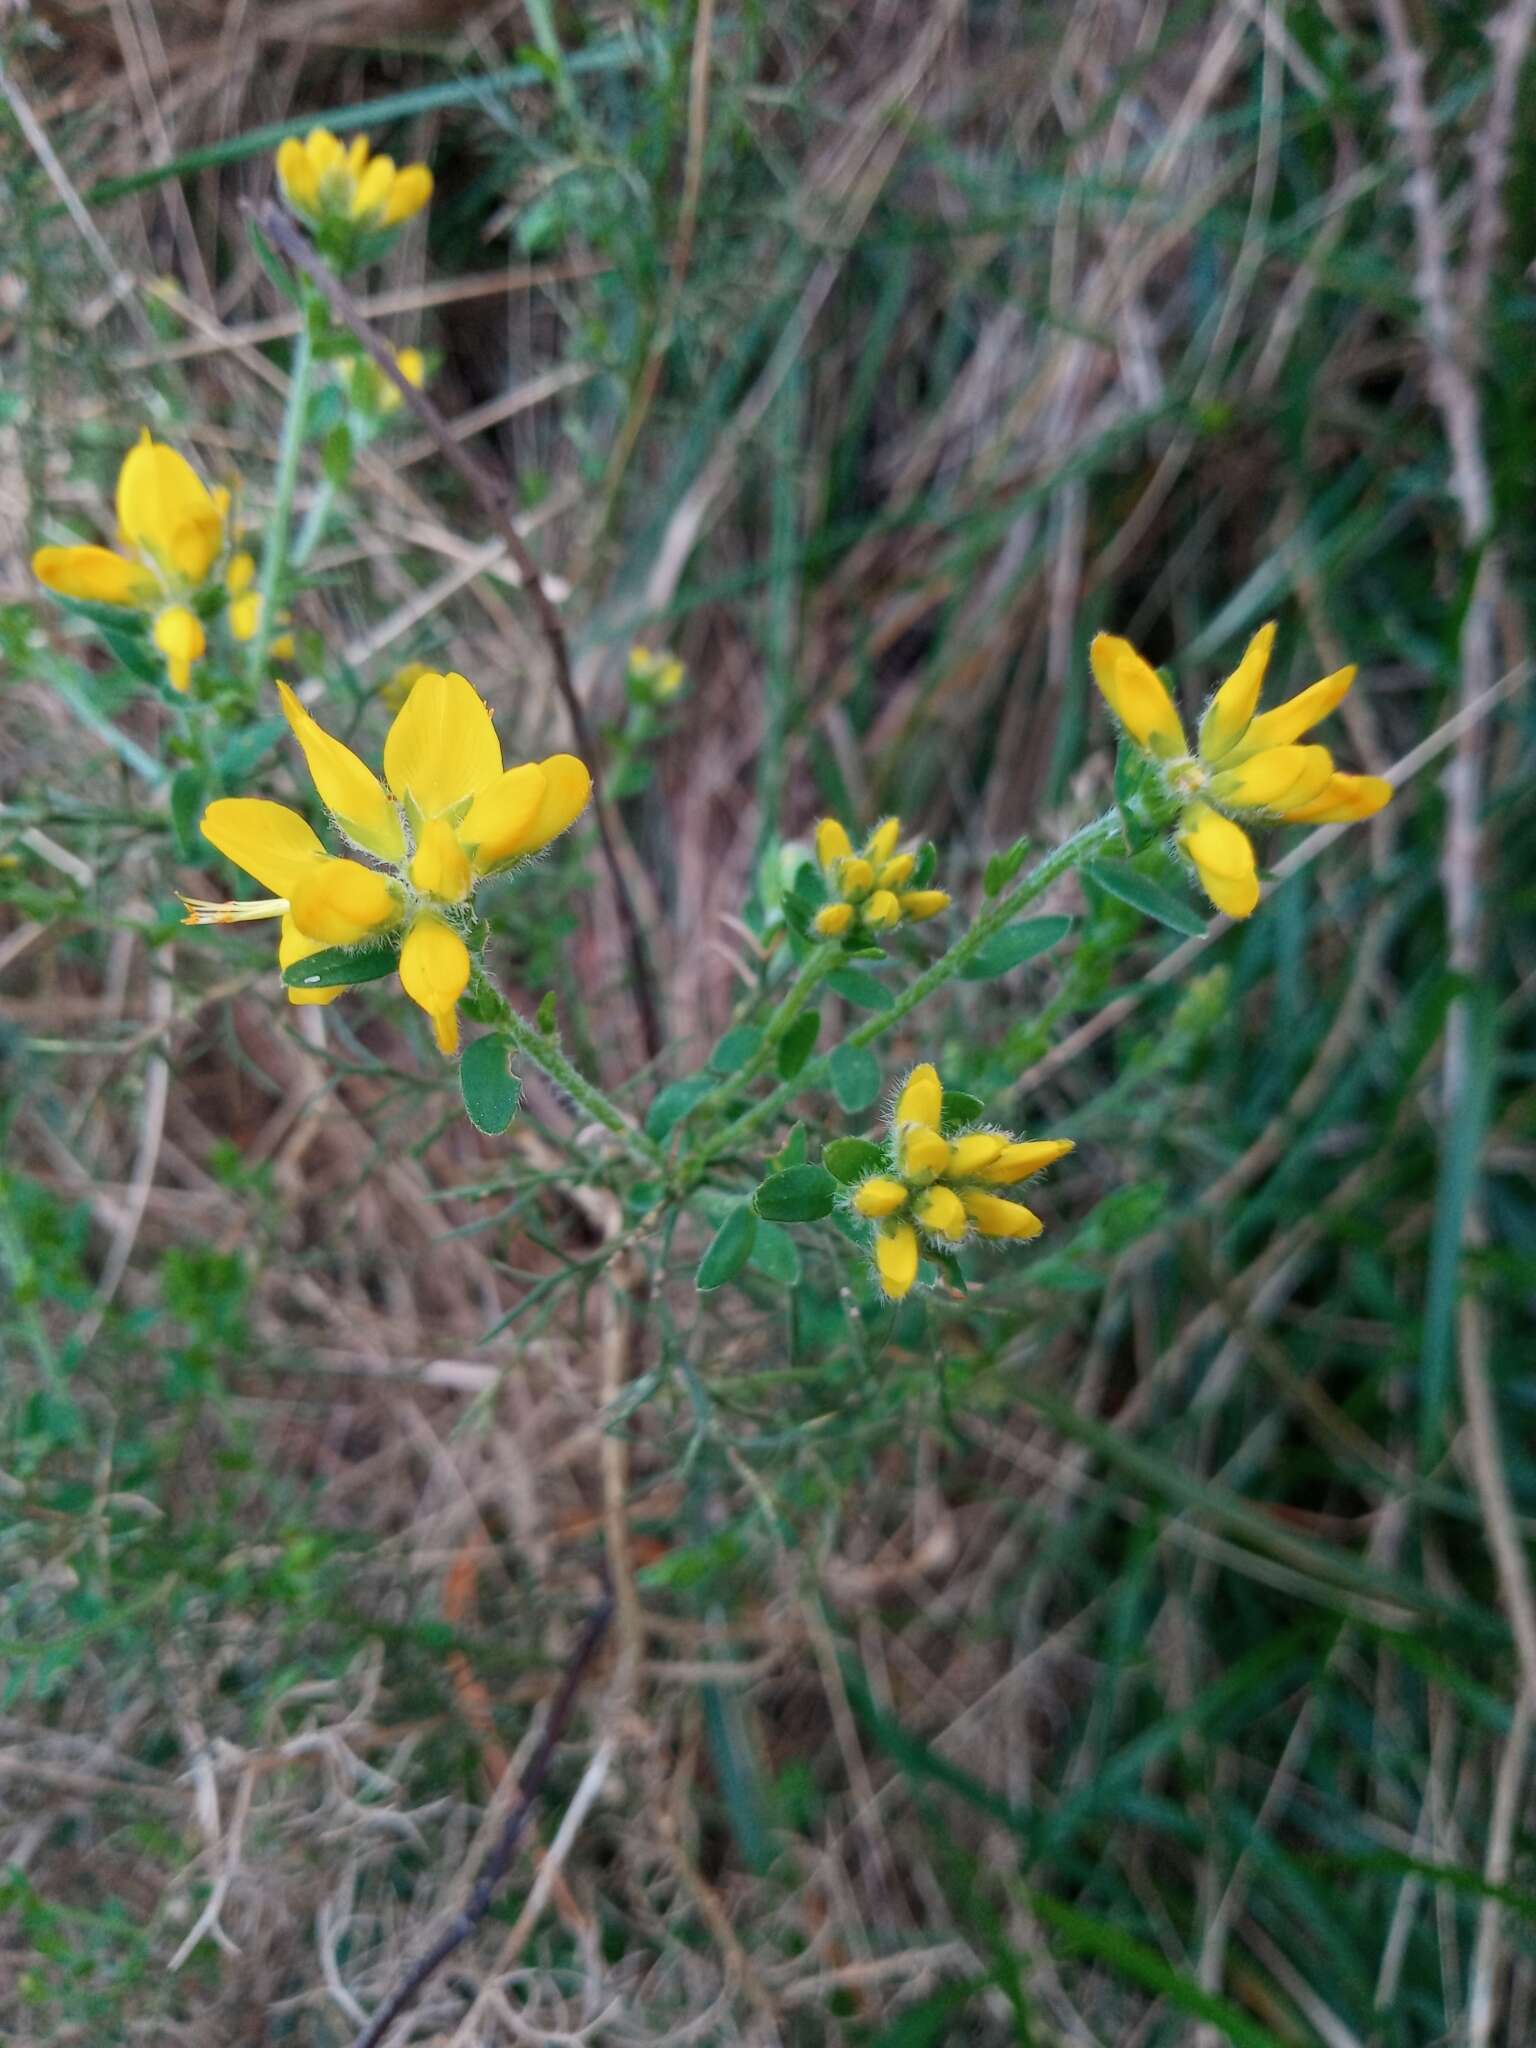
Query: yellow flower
<point x="331" y="184"/>
<point x="655" y="674"/>
<point x="1247" y="763"/>
<point x="370" y="391"/>
<point x="172" y="530"/>
<point x="942" y="1188"/>
<point x="447" y="815"/>
<point x="867" y="890"/>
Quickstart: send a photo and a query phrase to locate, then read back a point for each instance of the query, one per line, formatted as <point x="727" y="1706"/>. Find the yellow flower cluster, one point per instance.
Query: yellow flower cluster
<point x="942" y="1188"/>
<point x="1244" y="763"/>
<point x="172" y="533"/>
<point x="370" y="392"/>
<point x="868" y="889"/>
<point x="655" y="673"/>
<point x="329" y="183"/>
<point x="450" y="816"/>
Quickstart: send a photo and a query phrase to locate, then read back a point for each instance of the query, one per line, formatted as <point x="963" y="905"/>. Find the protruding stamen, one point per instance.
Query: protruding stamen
<point x="200" y="912"/>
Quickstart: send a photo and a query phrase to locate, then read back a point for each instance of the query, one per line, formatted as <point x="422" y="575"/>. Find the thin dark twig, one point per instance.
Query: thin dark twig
<point x="499" y="1862"/>
<point x="491" y="495"/>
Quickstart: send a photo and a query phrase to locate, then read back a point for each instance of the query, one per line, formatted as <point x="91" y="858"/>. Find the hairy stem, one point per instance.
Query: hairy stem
<point x="274" y="552"/>
<point x="814" y="969"/>
<point x="545" y="1053"/>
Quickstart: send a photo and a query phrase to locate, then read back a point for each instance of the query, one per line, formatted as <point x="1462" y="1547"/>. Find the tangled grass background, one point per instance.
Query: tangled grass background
<point x="1138" y="1650"/>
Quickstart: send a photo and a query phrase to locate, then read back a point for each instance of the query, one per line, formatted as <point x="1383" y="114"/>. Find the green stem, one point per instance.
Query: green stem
<point x="275" y="546"/>
<point x="816" y="966"/>
<point x="546" y="1054"/>
<point x="314" y="523"/>
<point x="1084" y="844"/>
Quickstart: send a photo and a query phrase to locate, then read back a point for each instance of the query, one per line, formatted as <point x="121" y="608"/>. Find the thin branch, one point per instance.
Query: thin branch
<point x="499" y="1862"/>
<point x="287" y="236"/>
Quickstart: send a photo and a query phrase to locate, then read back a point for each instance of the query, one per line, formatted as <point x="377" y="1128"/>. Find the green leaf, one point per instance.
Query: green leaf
<point x="729" y="1249"/>
<point x="959" y="1109"/>
<point x="544" y="1016"/>
<point x="1013" y="945"/>
<point x="344" y="966"/>
<point x="1002" y="867"/>
<point x="852" y="1159"/>
<point x="775" y="1254"/>
<point x="490" y="1089"/>
<point x="735" y="1049"/>
<point x="855" y="1077"/>
<point x="187" y="788"/>
<point x="336" y="455"/>
<point x="1119" y="878"/>
<point x="860" y="989"/>
<point x="800" y="1194"/>
<point x="792" y="1151"/>
<point x="796" y="1044"/>
<point x="249" y="748"/>
<point x="673" y="1103"/>
<point x="927" y="862"/>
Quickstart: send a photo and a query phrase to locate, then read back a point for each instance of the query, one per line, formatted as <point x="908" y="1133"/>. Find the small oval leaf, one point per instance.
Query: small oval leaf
<point x="855" y="1077"/>
<point x="860" y="989"/>
<point x="1118" y="878"/>
<point x="344" y="966"/>
<point x="490" y="1089"/>
<point x="1013" y="945"/>
<point x="852" y="1159"/>
<point x="729" y="1249"/>
<point x="795" y="1046"/>
<point x="800" y="1194"/>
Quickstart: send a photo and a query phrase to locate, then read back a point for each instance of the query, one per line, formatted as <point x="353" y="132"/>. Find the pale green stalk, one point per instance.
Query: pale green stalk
<point x="1097" y="838"/>
<point x="274" y="551"/>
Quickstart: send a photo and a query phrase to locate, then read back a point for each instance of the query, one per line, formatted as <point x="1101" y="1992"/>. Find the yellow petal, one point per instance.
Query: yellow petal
<point x="292" y="946"/>
<point x="95" y="574"/>
<point x="357" y="156"/>
<point x="271" y="843"/>
<point x="880" y="1197"/>
<point x="412" y="365"/>
<point x="1134" y="692"/>
<point x="942" y="1213"/>
<point x="442" y="749"/>
<point x="567" y="787"/>
<point x="338" y="902"/>
<point x="857" y="877"/>
<point x="832" y="921"/>
<point x="882" y="842"/>
<point x="923" y="1152"/>
<point x="920" y="903"/>
<point x="324" y="150"/>
<point x="1018" y="1161"/>
<point x="245" y="617"/>
<point x="1223" y="856"/>
<point x="882" y="910"/>
<point x="1343" y="800"/>
<point x="1288" y="721"/>
<point x="240" y="574"/>
<point x="975" y="1150"/>
<point x="896" y="1260"/>
<point x="1274" y="780"/>
<point x="1230" y="710"/>
<point x="832" y="842"/>
<point x="441" y="866"/>
<point x="408" y="194"/>
<point x="995" y="1217"/>
<point x="897" y="871"/>
<point x="348" y="788"/>
<point x="165" y="510"/>
<point x="296" y="174"/>
<point x="179" y="635"/>
<point x="922" y="1098"/>
<point x="499" y="822"/>
<point x="373" y="187"/>
<point x="434" y="971"/>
